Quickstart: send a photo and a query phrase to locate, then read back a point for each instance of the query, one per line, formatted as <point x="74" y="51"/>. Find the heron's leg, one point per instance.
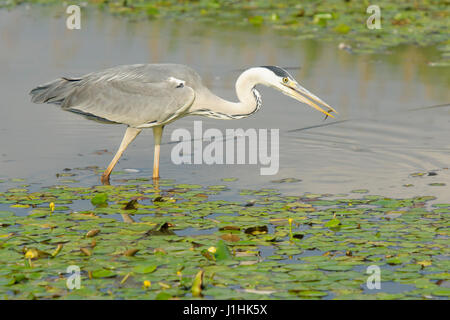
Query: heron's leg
<point x="157" y="134"/>
<point x="129" y="136"/>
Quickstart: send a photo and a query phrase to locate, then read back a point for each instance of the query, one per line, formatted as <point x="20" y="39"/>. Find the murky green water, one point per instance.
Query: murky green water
<point x="380" y="148"/>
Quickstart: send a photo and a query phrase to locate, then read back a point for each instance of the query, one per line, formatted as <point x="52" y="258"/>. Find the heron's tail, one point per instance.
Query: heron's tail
<point x="54" y="92"/>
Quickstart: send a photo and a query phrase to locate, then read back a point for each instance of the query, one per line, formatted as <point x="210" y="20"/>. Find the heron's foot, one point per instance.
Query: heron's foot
<point x="156" y="182"/>
<point x="105" y="179"/>
<point x="155" y="173"/>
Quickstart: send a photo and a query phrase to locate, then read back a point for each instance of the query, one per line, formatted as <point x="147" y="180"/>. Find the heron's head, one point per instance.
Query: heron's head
<point x="281" y="80"/>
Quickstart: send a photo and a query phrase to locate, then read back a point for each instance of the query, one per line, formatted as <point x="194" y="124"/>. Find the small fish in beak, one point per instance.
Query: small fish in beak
<point x="299" y="93"/>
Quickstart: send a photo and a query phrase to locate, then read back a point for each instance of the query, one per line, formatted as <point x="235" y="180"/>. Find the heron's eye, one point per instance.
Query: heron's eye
<point x="285" y="80"/>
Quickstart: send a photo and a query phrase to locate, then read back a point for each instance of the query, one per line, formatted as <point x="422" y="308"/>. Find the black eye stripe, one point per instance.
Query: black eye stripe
<point x="278" y="71"/>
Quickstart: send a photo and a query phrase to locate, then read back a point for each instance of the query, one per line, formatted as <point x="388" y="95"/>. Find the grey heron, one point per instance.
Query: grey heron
<point x="152" y="95"/>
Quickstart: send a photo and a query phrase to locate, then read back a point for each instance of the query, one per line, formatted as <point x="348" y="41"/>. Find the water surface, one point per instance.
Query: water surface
<point x="381" y="145"/>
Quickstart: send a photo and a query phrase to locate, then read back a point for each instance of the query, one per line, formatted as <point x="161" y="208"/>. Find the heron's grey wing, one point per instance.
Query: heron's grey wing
<point x="135" y="103"/>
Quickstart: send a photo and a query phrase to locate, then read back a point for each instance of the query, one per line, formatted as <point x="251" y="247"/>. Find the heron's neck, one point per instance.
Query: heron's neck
<point x="249" y="99"/>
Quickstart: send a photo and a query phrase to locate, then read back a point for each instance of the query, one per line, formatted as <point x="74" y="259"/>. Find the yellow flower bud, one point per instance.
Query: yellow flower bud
<point x="31" y="254"/>
<point x="212" y="249"/>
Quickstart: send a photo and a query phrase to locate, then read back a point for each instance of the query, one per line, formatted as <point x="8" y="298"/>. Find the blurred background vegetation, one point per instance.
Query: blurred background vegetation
<point x="421" y="22"/>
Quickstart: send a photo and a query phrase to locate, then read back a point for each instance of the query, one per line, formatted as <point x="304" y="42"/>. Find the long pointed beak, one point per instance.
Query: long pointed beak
<point x="299" y="93"/>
